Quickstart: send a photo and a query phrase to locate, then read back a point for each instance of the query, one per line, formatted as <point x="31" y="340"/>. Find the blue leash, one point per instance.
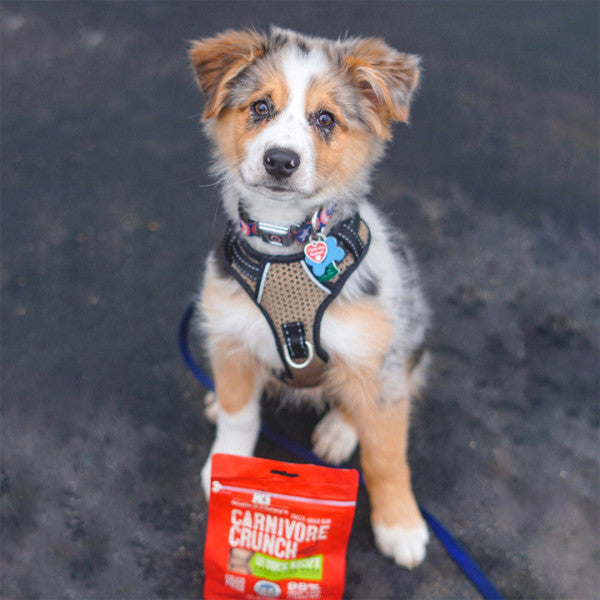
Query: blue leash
<point x="460" y="556"/>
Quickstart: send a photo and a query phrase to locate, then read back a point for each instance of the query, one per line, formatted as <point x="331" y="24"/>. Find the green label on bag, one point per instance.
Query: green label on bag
<point x="267" y="567"/>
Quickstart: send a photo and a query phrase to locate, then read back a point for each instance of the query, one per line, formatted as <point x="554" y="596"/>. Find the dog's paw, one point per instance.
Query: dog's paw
<point x="407" y="547"/>
<point x="334" y="440"/>
<point x="205" y="478"/>
<point x="211" y="407"/>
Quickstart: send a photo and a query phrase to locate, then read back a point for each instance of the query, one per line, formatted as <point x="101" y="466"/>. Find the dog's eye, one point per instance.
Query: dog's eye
<point x="261" y="108"/>
<point x="325" y="120"/>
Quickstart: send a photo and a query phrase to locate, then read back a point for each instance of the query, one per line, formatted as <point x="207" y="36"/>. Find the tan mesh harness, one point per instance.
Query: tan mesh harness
<point x="292" y="299"/>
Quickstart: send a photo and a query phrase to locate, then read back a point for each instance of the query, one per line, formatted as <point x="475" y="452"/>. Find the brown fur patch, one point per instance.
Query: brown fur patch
<point x="346" y="150"/>
<point x="383" y="434"/>
<point x="386" y="78"/>
<point x="230" y="133"/>
<point x="272" y="85"/>
<point x="236" y="373"/>
<point x="364" y="386"/>
<point x="233" y="130"/>
<point x="347" y="154"/>
<point x="217" y="61"/>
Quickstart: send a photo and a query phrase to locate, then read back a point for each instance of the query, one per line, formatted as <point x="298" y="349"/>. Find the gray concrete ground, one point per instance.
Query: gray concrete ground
<point x="108" y="211"/>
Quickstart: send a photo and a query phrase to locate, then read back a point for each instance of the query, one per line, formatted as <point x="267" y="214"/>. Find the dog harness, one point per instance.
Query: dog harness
<point x="293" y="291"/>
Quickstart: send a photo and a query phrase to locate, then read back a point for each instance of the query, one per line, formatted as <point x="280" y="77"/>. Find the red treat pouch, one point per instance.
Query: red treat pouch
<point x="277" y="530"/>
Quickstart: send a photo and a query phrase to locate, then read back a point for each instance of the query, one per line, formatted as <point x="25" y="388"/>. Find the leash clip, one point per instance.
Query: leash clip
<point x="305" y="363"/>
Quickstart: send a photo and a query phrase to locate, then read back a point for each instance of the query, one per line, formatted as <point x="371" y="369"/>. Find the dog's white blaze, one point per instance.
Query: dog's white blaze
<point x="299" y="70"/>
<point x="290" y="129"/>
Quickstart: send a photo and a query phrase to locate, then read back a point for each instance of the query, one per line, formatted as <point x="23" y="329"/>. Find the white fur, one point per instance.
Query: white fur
<point x="235" y="316"/>
<point x="334" y="440"/>
<point x="211" y="407"/>
<point x="407" y="547"/>
<point x="236" y="434"/>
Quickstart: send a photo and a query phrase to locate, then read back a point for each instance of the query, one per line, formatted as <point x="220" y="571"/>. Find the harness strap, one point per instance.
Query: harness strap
<point x="295" y="340"/>
<point x="291" y="302"/>
<point x="292" y="299"/>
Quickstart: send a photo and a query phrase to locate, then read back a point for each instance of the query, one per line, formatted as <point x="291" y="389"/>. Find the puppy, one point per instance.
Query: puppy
<point x="310" y="287"/>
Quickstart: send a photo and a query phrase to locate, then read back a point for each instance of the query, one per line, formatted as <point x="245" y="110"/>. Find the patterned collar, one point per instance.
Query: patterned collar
<point x="285" y="236"/>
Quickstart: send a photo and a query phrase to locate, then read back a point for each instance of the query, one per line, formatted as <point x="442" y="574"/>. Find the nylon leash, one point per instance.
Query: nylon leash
<point x="458" y="554"/>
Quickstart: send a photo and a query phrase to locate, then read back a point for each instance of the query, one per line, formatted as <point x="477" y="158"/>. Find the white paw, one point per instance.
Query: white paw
<point x="205" y="478"/>
<point x="334" y="440"/>
<point x="236" y="434"/>
<point x="405" y="546"/>
<point x="211" y="407"/>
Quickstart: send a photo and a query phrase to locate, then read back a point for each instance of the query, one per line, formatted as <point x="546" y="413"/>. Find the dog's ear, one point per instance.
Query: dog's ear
<point x="218" y="61"/>
<point x="386" y="78"/>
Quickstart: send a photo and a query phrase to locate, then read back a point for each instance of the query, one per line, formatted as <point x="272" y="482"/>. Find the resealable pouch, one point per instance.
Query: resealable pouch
<point x="277" y="529"/>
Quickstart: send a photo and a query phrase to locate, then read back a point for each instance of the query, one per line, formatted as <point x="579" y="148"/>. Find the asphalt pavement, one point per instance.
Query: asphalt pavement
<point x="108" y="211"/>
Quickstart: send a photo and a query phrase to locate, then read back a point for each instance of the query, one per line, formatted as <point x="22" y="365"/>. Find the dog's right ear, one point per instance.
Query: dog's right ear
<point x="219" y="60"/>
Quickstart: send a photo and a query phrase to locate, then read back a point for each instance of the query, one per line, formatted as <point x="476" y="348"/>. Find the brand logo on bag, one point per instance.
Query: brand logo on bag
<point x="268" y="589"/>
<point x="261" y="498"/>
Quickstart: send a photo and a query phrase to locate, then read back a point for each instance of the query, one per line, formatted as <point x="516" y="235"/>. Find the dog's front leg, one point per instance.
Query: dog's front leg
<point x="399" y="529"/>
<point x="239" y="379"/>
<point x="381" y="418"/>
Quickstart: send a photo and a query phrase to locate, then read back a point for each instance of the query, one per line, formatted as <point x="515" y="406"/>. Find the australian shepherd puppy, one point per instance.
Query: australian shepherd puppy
<point x="297" y="123"/>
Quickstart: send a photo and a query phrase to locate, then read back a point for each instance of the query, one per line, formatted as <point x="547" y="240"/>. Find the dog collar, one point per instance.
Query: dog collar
<point x="278" y="235"/>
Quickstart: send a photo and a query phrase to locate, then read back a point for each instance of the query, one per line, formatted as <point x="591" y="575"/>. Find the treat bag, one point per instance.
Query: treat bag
<point x="277" y="530"/>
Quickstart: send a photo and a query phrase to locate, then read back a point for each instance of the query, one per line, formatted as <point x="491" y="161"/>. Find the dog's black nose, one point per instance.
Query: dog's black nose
<point x="280" y="162"/>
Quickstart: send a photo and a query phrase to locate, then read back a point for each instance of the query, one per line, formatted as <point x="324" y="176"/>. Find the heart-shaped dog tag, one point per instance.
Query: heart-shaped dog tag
<point x="321" y="255"/>
<point x="316" y="251"/>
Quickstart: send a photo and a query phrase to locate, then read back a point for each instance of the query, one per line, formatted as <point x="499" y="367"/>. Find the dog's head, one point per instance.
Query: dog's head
<point x="297" y="119"/>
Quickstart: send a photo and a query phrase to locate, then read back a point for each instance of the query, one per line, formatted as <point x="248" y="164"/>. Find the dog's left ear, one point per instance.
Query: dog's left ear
<point x="386" y="78"/>
<point x="219" y="60"/>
